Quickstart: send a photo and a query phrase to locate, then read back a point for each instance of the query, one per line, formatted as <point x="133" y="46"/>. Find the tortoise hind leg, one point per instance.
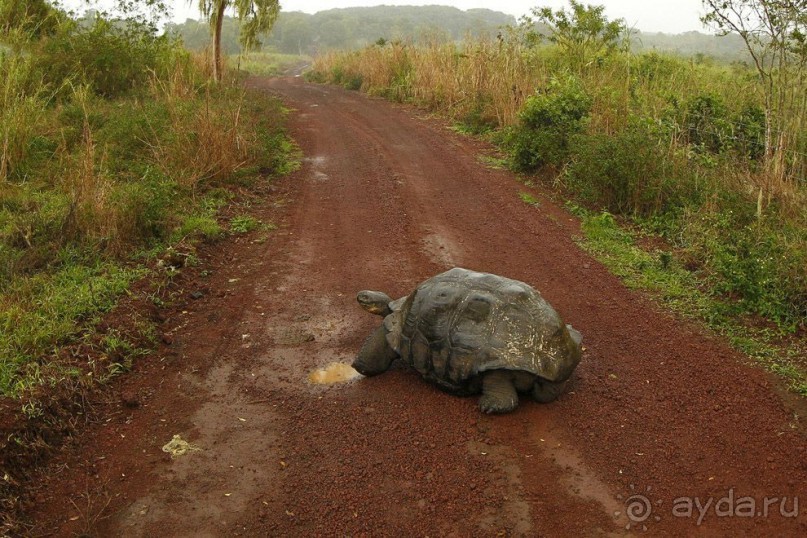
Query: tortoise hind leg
<point x="375" y="356"/>
<point x="498" y="392"/>
<point x="547" y="391"/>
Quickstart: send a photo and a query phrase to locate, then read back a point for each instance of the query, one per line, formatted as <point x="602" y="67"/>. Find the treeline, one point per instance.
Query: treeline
<point x="300" y="33"/>
<point x="354" y="28"/>
<point x="725" y="49"/>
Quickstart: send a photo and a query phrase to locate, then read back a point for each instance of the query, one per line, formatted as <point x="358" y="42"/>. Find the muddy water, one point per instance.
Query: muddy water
<point x="336" y="372"/>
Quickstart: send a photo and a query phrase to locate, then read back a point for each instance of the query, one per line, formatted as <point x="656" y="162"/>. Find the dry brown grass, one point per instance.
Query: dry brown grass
<point x="209" y="144"/>
<point x="92" y="216"/>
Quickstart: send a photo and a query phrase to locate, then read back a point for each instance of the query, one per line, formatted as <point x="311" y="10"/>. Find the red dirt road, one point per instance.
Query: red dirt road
<point x="384" y="200"/>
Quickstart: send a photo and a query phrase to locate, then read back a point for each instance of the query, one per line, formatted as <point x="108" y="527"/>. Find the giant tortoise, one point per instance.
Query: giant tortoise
<point x="471" y="332"/>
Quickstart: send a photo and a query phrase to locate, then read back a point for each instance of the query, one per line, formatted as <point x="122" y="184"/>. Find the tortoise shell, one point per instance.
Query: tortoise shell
<point x="461" y="323"/>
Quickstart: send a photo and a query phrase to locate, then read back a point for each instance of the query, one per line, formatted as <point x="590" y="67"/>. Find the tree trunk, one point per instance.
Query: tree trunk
<point x="217" y="74"/>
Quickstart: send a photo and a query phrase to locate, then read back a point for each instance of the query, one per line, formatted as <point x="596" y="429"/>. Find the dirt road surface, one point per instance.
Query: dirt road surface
<point x="664" y="431"/>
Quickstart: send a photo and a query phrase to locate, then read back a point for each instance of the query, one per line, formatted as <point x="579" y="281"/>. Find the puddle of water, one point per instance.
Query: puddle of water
<point x="336" y="372"/>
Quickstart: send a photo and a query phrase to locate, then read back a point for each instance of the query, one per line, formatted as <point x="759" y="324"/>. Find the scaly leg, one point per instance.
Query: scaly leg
<point x="375" y="356"/>
<point x="498" y="392"/>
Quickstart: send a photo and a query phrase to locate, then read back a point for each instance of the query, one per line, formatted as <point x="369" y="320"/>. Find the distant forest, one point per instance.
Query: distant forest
<point x="353" y="28"/>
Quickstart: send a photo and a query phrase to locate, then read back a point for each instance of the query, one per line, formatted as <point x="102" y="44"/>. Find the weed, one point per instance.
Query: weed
<point x="38" y="313"/>
<point x="92" y="507"/>
<point x="200" y="226"/>
<point x="529" y="199"/>
<point x="243" y="223"/>
<point x="497" y="163"/>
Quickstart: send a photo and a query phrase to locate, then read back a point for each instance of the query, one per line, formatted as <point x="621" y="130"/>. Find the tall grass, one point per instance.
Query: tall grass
<point x="674" y="144"/>
<point x="110" y="138"/>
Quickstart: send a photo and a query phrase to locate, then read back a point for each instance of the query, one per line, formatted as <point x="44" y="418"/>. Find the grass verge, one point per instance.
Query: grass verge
<point x="659" y="273"/>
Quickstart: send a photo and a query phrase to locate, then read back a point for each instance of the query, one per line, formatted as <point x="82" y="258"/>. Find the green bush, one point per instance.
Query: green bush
<point x="33" y="18"/>
<point x="353" y="82"/>
<point x="137" y="127"/>
<point x="759" y="263"/>
<point x="546" y="124"/>
<point x="114" y="59"/>
<point x="23" y="118"/>
<point x="317" y="77"/>
<point x="655" y="67"/>
<point x="749" y="132"/>
<point x="148" y="207"/>
<point x="630" y="172"/>
<point x="347" y="79"/>
<point x="706" y="123"/>
<point x="476" y="120"/>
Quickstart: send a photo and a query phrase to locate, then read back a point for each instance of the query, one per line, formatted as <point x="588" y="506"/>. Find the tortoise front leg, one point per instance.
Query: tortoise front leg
<point x="375" y="356"/>
<point x="498" y="392"/>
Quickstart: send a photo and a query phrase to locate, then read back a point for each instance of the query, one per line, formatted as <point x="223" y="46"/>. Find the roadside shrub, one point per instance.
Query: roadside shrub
<point x="208" y="141"/>
<point x="338" y="74"/>
<point x="477" y="121"/>
<point x="147" y="207"/>
<point x="30" y="229"/>
<point x="706" y="123"/>
<point x="630" y="172"/>
<point x="353" y="82"/>
<point x="129" y="139"/>
<point x="653" y="67"/>
<point x="315" y="76"/>
<point x="114" y="59"/>
<point x="32" y="18"/>
<point x="749" y="132"/>
<point x="546" y="124"/>
<point x="757" y="262"/>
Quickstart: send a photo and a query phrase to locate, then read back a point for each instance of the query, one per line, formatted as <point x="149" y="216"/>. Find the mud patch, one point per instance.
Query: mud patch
<point x="577" y="477"/>
<point x="335" y="372"/>
<point x="515" y="511"/>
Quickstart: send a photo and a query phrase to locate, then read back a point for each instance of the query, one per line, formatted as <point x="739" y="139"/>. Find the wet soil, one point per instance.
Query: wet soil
<point x="658" y="412"/>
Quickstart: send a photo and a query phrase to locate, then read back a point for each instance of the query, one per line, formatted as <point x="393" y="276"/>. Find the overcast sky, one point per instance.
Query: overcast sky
<point x="670" y="16"/>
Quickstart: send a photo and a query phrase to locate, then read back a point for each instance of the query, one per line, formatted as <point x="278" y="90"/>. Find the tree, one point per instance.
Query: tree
<point x="254" y="16"/>
<point x="584" y="33"/>
<point x="775" y="34"/>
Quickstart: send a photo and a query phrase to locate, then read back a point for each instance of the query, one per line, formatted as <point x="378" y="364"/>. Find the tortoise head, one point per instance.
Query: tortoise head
<point x="375" y="302"/>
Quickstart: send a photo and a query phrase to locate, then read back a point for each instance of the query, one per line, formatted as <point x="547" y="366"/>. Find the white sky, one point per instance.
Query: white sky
<point x="669" y="16"/>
